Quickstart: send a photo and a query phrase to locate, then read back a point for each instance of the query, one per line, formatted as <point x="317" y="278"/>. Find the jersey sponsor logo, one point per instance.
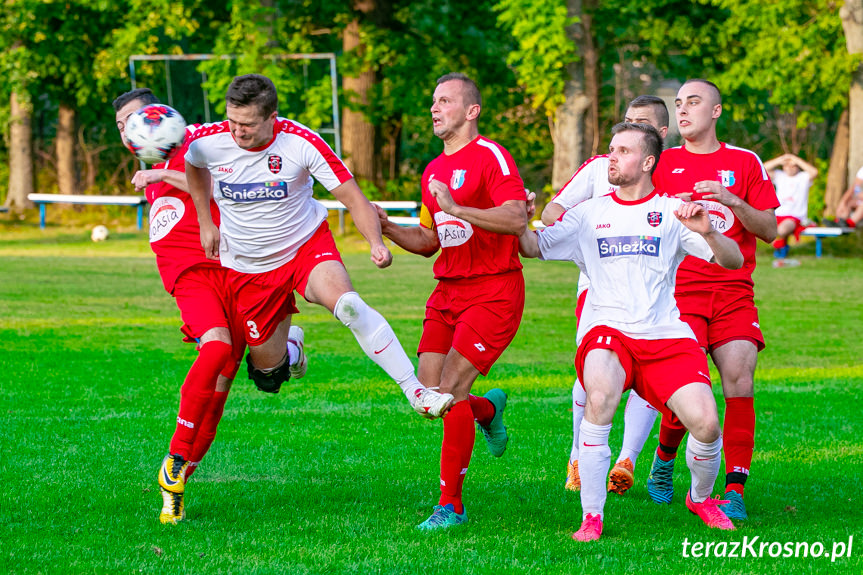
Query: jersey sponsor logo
<point x="256" y="192"/>
<point x="275" y="164"/>
<point x="165" y="213"/>
<point x="721" y="216"/>
<point x="628" y="246"/>
<point x="677" y="170"/>
<point x="727" y="178"/>
<point x="452" y="231"/>
<point x="654" y="218"/>
<point x="457" y="179"/>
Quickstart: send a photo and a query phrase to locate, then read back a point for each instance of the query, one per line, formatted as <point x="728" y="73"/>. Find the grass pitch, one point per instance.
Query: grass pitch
<point x="332" y="474"/>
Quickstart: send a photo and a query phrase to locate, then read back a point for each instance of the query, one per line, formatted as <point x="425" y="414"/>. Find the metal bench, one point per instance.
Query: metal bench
<point x="395" y="206"/>
<point x="824" y="232"/>
<point x="42" y="200"/>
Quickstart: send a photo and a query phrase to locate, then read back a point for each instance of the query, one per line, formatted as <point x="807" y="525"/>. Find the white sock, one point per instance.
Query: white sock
<point x="638" y="419"/>
<point x="293" y="353"/>
<point x="378" y="341"/>
<point x="594" y="459"/>
<point x="704" y="460"/>
<point x="579" y="398"/>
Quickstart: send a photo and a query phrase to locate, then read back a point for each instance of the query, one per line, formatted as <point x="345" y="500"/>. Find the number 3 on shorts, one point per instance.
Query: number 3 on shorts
<point x="253" y="330"/>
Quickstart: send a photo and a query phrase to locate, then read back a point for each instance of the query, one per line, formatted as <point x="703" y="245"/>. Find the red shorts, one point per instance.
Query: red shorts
<point x="264" y="300"/>
<point x="655" y="368"/>
<point x="720" y="316"/>
<point x="206" y="301"/>
<point x="798" y="227"/>
<point x="477" y="317"/>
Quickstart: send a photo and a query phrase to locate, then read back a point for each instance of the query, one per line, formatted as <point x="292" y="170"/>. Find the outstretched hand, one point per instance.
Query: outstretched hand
<point x="144" y="178"/>
<point x="381" y="255"/>
<point x="695" y="217"/>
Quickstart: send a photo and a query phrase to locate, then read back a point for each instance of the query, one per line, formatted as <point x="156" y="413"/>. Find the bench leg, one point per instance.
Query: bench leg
<point x="140" y="215"/>
<point x="817" y="247"/>
<point x="42" y="216"/>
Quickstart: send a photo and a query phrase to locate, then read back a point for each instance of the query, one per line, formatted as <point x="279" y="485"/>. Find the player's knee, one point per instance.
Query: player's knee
<point x="350" y="308"/>
<point x="270" y="381"/>
<point x="216" y="351"/>
<point x="706" y="429"/>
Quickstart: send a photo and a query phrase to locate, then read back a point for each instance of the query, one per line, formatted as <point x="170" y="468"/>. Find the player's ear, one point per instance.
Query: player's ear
<point x="472" y="112"/>
<point x="648" y="163"/>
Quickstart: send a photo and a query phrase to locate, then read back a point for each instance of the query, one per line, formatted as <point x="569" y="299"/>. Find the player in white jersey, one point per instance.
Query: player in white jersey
<point x="275" y="239"/>
<point x="792" y="177"/>
<point x="591" y="181"/>
<point x="630" y="244"/>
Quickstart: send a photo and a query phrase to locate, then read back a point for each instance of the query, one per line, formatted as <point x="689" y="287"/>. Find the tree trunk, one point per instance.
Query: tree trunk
<point x="568" y="126"/>
<point x="21" y="172"/>
<point x="837" y="173"/>
<point x="591" y="82"/>
<point x="358" y="134"/>
<point x="851" y="14"/>
<point x="67" y="181"/>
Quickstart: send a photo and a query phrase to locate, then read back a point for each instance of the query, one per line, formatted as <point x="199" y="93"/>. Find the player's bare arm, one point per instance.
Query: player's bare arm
<point x="175" y="178"/>
<point x="366" y="219"/>
<point x="417" y="240"/>
<point x="507" y="218"/>
<point x="551" y="213"/>
<point x="528" y="244"/>
<point x="726" y="252"/>
<point x="762" y="223"/>
<point x="200" y="190"/>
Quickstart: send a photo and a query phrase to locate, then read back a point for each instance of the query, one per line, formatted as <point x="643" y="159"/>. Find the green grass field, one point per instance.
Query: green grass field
<point x="332" y="474"/>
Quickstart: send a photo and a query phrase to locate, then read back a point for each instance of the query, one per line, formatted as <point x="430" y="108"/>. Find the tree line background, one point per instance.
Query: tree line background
<point x="555" y="76"/>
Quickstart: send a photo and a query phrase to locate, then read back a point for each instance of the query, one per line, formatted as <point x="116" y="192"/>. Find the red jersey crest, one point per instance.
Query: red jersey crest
<point x="275" y="164"/>
<point x="654" y="218"/>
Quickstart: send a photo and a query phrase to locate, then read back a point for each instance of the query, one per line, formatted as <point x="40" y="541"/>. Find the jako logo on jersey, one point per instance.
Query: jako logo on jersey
<point x="166" y="213"/>
<point x="225" y="170"/>
<point x="275" y="164"/>
<point x="628" y="246"/>
<point x="654" y="218"/>
<point x="677" y="170"/>
<point x="457" y="179"/>
<point x="602" y="226"/>
<point x="257" y="192"/>
<point x="452" y="231"/>
<point x="727" y="178"/>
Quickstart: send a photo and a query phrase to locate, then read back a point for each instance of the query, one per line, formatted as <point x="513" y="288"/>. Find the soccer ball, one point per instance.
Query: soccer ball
<point x="155" y="133"/>
<point x="99" y="234"/>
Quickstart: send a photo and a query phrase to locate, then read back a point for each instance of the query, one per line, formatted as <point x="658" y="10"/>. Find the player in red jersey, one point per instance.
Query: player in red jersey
<point x="732" y="184"/>
<point x="473" y="209"/>
<point x="199" y="287"/>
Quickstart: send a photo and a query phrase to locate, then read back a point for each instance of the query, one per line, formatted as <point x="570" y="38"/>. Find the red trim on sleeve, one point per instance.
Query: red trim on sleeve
<point x="335" y="163"/>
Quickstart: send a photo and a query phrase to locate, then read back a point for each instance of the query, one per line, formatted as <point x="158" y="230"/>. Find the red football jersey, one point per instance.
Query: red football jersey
<point x="174" y="233"/>
<point x="480" y="175"/>
<point x="743" y="174"/>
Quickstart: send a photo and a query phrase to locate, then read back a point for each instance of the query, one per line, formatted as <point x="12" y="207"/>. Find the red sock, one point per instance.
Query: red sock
<point x="193" y="465"/>
<point x="483" y="409"/>
<point x="738" y="440"/>
<point x="195" y="395"/>
<point x="779" y="243"/>
<point x="207" y="432"/>
<point x="670" y="437"/>
<point x="458" y="438"/>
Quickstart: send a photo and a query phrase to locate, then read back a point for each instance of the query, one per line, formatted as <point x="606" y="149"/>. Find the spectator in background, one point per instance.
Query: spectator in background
<point x="792" y="178"/>
<point x="850" y="208"/>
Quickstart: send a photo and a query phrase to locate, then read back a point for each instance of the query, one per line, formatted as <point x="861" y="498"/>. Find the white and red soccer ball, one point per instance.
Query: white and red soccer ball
<point x="155" y="132"/>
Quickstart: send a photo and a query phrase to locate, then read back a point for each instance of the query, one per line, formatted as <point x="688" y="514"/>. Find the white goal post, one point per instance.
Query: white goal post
<point x="335" y="131"/>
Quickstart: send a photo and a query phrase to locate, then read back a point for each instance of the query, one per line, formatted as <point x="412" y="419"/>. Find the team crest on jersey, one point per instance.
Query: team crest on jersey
<point x="654" y="218"/>
<point x="275" y="164"/>
<point x="165" y="213"/>
<point x="457" y="179"/>
<point x="727" y="178"/>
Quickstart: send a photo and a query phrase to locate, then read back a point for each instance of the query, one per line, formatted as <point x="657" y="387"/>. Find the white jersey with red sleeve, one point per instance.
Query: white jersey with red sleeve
<point x="589" y="181"/>
<point x="174" y="234"/>
<point x="743" y="174"/>
<point x="631" y="250"/>
<point x="480" y="175"/>
<point x="793" y="194"/>
<point x="265" y="193"/>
